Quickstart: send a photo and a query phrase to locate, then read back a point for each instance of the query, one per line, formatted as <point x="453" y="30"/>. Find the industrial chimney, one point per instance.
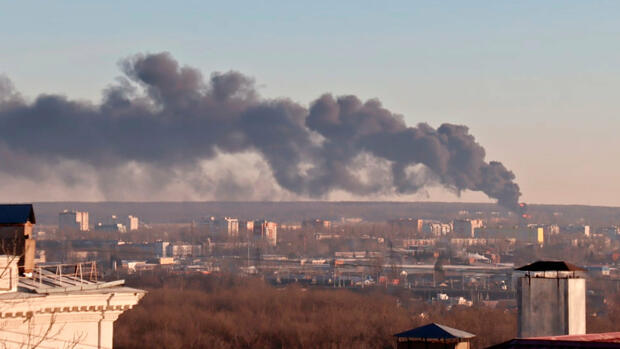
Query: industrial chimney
<point x="551" y="300"/>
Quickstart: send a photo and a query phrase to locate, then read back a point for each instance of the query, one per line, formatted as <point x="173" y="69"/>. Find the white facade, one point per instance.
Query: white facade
<point x="266" y="230"/>
<point x="133" y="223"/>
<point x="224" y="227"/>
<point x="73" y="220"/>
<point x="467" y="227"/>
<point x="551" y="306"/>
<point x="232" y="226"/>
<point x="180" y="250"/>
<point x="52" y="311"/>
<point x="80" y="319"/>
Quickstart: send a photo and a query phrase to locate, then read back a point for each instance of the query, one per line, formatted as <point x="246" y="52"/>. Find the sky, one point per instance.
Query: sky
<point x="536" y="82"/>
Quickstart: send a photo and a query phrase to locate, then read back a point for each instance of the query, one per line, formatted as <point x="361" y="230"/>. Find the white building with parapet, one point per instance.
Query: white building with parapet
<point x="54" y="306"/>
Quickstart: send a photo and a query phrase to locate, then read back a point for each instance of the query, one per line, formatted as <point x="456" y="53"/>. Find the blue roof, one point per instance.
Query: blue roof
<point x="434" y="331"/>
<point x="17" y="214"/>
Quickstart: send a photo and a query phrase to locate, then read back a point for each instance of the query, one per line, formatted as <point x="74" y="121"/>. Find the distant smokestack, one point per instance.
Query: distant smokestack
<point x="165" y="119"/>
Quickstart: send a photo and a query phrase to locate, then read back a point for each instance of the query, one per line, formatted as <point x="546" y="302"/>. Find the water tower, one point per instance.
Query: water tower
<point x="551" y="299"/>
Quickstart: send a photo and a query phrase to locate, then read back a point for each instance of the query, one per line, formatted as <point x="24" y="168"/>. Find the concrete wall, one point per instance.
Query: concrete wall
<point x="576" y="306"/>
<point x="9" y="275"/>
<point x="551" y="306"/>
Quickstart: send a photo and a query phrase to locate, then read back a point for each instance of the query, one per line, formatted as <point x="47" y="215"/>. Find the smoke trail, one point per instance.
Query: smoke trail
<point x="168" y="118"/>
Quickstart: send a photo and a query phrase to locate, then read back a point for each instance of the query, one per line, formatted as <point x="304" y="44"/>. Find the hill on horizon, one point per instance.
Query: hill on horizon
<point x="296" y="211"/>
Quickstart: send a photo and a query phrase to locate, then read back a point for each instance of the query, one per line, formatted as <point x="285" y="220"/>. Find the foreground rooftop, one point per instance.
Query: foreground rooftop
<point x="434" y="331"/>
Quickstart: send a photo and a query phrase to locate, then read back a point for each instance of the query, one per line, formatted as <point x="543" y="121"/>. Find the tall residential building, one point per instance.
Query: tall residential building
<point x="436" y="228"/>
<point x="267" y="231"/>
<point x="407" y="225"/>
<point x="73" y="221"/>
<point x="132" y="223"/>
<point x="224" y="227"/>
<point x="466" y="227"/>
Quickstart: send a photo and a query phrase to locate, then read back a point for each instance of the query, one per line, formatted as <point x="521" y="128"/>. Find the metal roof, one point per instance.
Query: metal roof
<point x="52" y="279"/>
<point x="550" y="266"/>
<point x="16" y="214"/>
<point x="518" y="343"/>
<point x="612" y="337"/>
<point x="435" y="331"/>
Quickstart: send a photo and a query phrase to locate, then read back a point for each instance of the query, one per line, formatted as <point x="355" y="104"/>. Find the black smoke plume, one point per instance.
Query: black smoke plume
<point x="166" y="116"/>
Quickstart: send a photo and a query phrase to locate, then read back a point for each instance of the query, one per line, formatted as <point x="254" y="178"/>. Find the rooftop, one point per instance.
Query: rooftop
<point x="17" y="214"/>
<point x="610" y="337"/>
<point x="435" y="331"/>
<point x="550" y="266"/>
<point x="65" y="278"/>
<point x="592" y="340"/>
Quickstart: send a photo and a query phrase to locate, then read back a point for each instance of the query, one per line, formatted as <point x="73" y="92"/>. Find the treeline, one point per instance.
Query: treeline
<point x="227" y="312"/>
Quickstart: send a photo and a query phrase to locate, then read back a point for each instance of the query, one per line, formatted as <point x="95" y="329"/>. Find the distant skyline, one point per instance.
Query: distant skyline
<point x="536" y="82"/>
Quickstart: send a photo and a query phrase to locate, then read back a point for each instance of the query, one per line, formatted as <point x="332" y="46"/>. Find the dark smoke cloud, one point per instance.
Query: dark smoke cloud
<point x="168" y="118"/>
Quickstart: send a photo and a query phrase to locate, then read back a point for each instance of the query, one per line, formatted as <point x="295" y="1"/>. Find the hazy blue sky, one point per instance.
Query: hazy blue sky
<point x="537" y="82"/>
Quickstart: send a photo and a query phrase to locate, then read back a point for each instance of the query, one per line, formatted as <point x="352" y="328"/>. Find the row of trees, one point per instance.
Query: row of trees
<point x="206" y="311"/>
<point x="227" y="312"/>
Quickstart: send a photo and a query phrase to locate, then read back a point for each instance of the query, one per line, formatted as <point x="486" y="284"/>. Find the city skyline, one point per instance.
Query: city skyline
<point x="536" y="91"/>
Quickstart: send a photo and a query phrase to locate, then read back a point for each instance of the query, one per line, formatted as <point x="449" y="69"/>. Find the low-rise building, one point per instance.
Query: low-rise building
<point x="111" y="228"/>
<point x="433" y="336"/>
<point x="56" y="306"/>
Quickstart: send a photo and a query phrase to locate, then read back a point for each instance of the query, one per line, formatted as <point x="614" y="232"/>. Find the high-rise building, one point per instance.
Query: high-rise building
<point x="466" y="227"/>
<point x="231" y="226"/>
<point x="132" y="223"/>
<point x="223" y="227"/>
<point x="73" y="221"/>
<point x="267" y="231"/>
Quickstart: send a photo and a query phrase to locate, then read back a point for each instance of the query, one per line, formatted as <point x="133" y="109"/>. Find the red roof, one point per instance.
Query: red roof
<point x="592" y="340"/>
<point x="612" y="337"/>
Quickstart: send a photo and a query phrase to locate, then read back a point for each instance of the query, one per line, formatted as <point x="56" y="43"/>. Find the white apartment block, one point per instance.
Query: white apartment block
<point x="73" y="220"/>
